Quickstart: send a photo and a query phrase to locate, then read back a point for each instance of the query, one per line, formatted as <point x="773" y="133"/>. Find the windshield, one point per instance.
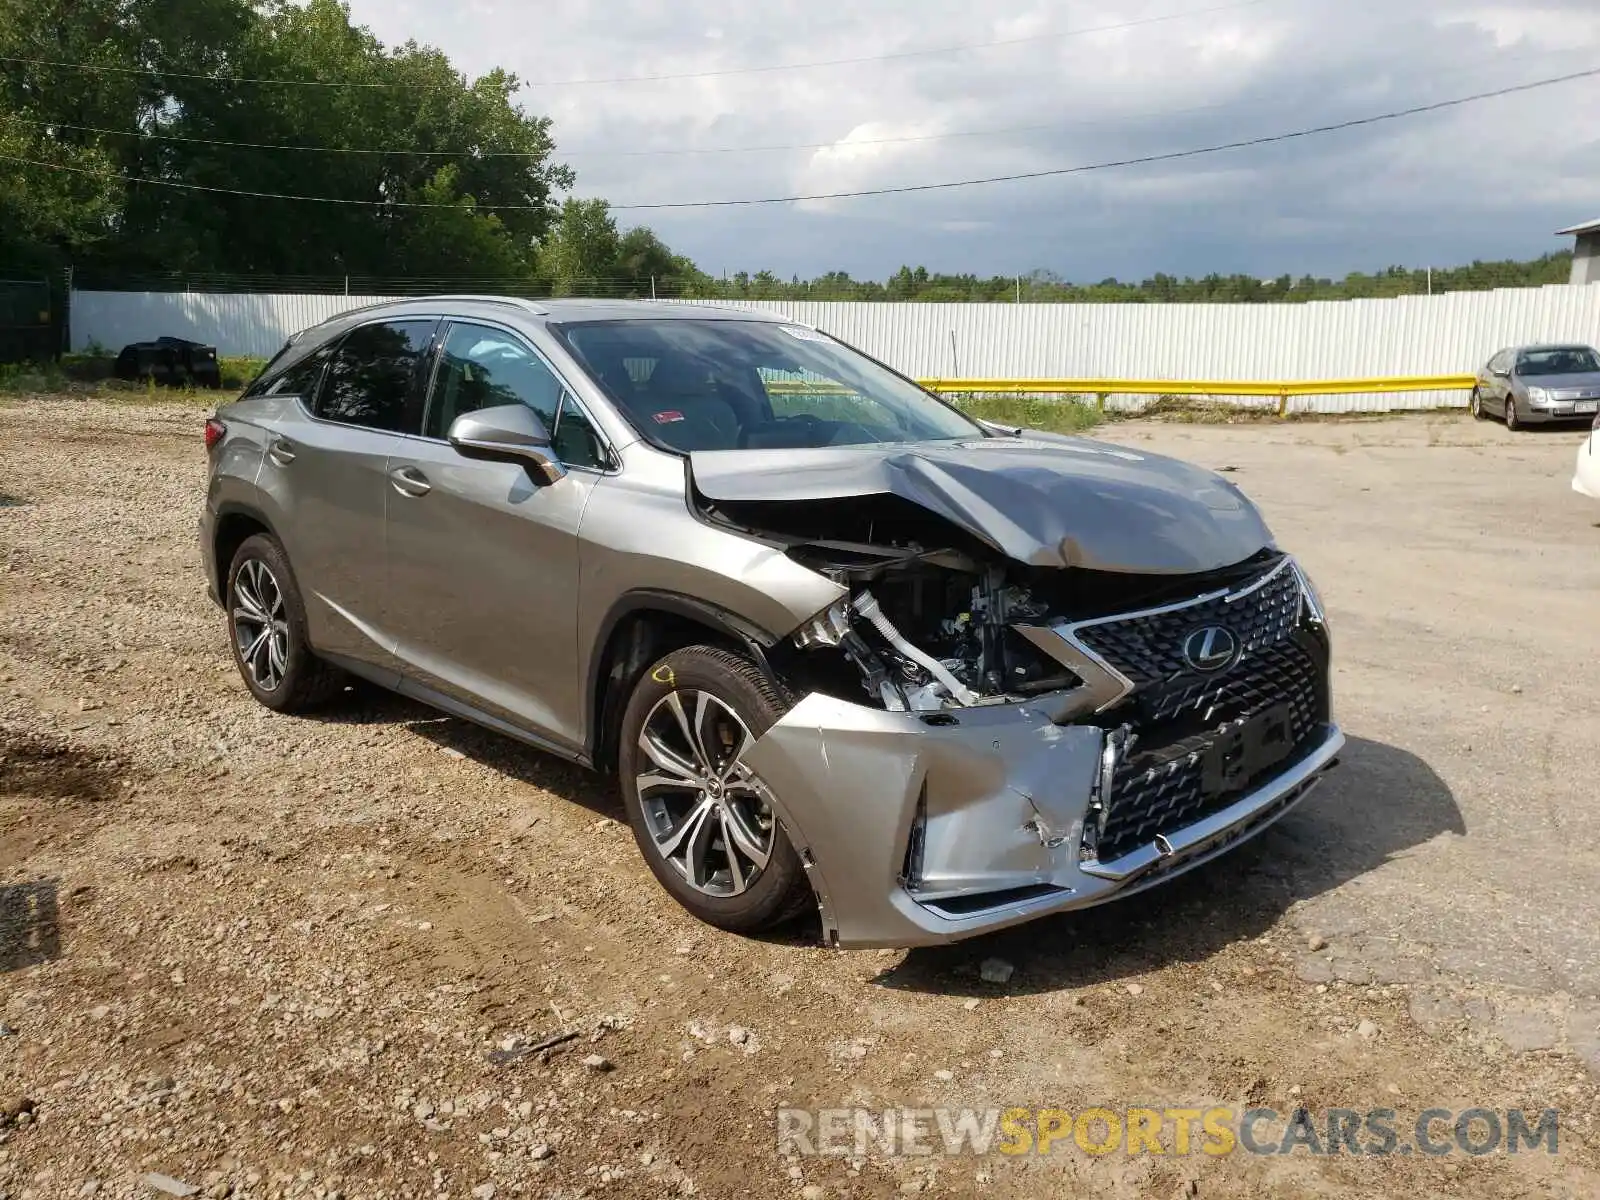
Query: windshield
<point x="734" y="385"/>
<point x="1558" y="360"/>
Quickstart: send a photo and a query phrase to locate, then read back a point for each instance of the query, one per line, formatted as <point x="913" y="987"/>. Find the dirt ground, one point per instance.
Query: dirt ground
<point x="275" y="957"/>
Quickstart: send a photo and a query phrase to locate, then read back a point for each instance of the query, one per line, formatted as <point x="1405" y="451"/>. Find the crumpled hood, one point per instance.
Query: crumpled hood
<point x="1041" y="499"/>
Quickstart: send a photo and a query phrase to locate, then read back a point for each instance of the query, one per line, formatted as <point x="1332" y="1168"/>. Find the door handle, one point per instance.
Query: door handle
<point x="280" y="452"/>
<point x="409" y="481"/>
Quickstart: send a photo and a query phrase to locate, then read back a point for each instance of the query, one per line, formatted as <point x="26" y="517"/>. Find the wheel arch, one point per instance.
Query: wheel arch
<point x="234" y="525"/>
<point x="640" y="628"/>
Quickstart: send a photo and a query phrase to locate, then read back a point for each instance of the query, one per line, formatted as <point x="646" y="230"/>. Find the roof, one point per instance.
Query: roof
<point x="555" y="310"/>
<point x="633" y="310"/>
<point x="576" y="309"/>
<point x="1586" y="227"/>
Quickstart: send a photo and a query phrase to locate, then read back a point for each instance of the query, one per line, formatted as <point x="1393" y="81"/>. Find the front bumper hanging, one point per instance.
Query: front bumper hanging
<point x="928" y="828"/>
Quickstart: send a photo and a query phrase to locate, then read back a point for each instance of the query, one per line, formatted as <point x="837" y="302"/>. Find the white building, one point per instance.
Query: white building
<point x="1585" y="252"/>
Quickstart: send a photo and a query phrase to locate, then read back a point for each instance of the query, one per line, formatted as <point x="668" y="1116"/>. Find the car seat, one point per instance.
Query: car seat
<point x="680" y="404"/>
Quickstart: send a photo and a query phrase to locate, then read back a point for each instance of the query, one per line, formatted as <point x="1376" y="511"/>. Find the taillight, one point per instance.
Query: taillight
<point x="215" y="430"/>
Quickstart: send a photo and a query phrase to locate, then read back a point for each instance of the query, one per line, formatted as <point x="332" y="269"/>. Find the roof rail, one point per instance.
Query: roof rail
<point x="484" y="298"/>
<point x="475" y="297"/>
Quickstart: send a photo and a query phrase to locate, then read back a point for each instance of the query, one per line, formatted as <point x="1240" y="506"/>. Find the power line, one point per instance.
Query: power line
<point x="200" y="141"/>
<point x="1141" y="160"/>
<point x="661" y="78"/>
<point x="1070" y="123"/>
<point x="476" y="154"/>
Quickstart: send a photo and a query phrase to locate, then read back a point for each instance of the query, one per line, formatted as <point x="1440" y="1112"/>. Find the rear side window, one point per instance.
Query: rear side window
<point x="372" y="379"/>
<point x="300" y="379"/>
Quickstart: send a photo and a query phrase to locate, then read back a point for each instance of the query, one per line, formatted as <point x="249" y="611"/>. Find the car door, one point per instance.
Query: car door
<point x="483" y="558"/>
<point x="1486" y="381"/>
<point x="326" y="466"/>
<point x="1504" y="361"/>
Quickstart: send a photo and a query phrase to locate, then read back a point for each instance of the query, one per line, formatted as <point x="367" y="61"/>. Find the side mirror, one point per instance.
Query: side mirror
<point x="508" y="433"/>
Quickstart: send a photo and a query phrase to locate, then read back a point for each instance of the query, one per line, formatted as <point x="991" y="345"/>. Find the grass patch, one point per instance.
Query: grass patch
<point x="92" y="375"/>
<point x="97" y="367"/>
<point x="32" y="377"/>
<point x="1048" y="414"/>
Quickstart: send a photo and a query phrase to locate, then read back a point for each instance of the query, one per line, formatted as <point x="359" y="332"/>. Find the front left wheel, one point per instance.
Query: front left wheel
<point x="702" y="817"/>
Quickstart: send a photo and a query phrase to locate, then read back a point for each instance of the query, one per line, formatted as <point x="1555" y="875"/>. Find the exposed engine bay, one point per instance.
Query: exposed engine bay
<point x="934" y="619"/>
<point x="936" y="637"/>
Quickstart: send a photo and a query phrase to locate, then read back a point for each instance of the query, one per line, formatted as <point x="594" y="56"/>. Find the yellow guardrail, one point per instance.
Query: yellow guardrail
<point x="1281" y="388"/>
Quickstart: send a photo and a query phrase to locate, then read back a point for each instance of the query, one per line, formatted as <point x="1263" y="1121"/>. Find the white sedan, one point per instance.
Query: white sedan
<point x="1586" y="479"/>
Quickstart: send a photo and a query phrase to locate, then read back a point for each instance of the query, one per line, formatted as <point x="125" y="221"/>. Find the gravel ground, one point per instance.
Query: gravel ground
<point x="265" y="957"/>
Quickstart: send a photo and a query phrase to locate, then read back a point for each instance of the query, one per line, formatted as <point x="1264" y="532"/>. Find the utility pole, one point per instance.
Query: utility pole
<point x="1019" y="289"/>
<point x="652" y="287"/>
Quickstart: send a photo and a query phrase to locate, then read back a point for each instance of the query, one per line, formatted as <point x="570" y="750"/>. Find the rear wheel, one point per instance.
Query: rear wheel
<point x="702" y="817"/>
<point x="1475" y="405"/>
<point x="267" y="628"/>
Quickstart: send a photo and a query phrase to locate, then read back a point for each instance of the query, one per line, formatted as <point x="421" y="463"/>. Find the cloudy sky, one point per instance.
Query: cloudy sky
<point x="1074" y="82"/>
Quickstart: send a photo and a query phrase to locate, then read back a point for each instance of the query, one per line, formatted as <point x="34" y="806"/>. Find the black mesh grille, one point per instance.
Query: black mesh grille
<point x="1161" y="785"/>
<point x="1281" y="672"/>
<point x="1150" y="649"/>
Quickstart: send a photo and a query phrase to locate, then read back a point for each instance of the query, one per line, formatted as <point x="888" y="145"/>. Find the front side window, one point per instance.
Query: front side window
<point x="372" y="378"/>
<point x="1558" y="360"/>
<point x="728" y="384"/>
<point x="484" y="367"/>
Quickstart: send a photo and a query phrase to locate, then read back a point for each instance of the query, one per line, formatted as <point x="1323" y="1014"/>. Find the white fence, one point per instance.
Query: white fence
<point x="1413" y="335"/>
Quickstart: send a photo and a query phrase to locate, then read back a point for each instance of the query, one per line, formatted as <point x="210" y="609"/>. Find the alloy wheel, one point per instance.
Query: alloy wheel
<point x="705" y="809"/>
<point x="260" y="624"/>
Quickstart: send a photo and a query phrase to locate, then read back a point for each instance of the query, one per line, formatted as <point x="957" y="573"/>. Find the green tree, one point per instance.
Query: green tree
<point x="580" y="255"/>
<point x="457" y="142"/>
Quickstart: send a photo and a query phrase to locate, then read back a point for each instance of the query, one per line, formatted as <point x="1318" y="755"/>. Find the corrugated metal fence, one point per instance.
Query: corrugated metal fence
<point x="1412" y="335"/>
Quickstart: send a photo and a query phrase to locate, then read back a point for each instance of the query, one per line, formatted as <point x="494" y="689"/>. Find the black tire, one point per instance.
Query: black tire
<point x="777" y="891"/>
<point x="1513" y="422"/>
<point x="1475" y="405"/>
<point x="301" y="681"/>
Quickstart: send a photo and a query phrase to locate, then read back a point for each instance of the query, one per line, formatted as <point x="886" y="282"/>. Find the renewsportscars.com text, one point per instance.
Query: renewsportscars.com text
<point x="1214" y="1130"/>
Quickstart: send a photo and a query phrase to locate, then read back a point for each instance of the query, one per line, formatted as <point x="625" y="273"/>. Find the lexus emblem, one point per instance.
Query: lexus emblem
<point x="1212" y="648"/>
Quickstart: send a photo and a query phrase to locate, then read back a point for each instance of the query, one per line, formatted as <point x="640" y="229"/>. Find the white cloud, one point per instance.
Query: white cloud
<point x="1486" y="180"/>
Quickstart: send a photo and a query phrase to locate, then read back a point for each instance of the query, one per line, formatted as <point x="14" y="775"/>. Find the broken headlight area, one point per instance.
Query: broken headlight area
<point x="927" y="640"/>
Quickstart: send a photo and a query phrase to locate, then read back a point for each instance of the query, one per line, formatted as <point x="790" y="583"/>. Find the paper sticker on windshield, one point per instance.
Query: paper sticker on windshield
<point x="801" y="333"/>
<point x="668" y="417"/>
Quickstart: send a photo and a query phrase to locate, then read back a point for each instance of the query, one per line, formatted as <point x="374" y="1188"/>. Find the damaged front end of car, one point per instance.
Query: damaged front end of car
<point x="1004" y="718"/>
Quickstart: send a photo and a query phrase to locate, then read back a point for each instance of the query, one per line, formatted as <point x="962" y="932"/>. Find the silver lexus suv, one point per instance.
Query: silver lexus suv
<point x="845" y="648"/>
